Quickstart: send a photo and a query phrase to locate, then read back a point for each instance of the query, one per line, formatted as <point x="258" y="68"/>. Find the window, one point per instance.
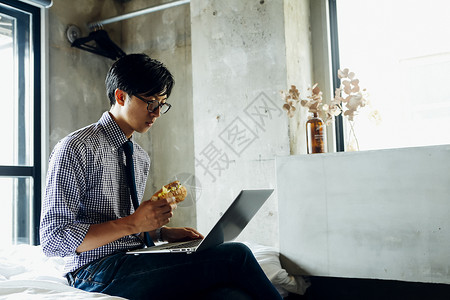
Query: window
<point x="400" y="52"/>
<point x="20" y="168"/>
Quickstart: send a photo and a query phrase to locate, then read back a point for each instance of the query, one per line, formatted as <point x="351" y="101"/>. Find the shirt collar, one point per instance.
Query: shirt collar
<point x="114" y="134"/>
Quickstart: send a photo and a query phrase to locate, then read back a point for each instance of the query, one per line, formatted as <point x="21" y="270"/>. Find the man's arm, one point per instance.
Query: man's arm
<point x="60" y="234"/>
<point x="149" y="216"/>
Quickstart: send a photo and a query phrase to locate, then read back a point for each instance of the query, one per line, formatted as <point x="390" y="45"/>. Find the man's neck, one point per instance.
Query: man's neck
<point x="122" y="124"/>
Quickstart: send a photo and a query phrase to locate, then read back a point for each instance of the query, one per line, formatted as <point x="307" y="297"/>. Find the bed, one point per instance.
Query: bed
<point x="26" y="273"/>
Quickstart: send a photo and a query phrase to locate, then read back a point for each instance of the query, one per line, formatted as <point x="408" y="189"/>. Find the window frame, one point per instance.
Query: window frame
<point x="34" y="170"/>
<point x="335" y="65"/>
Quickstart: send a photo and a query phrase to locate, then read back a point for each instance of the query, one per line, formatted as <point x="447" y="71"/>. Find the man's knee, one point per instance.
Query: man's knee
<point x="236" y="248"/>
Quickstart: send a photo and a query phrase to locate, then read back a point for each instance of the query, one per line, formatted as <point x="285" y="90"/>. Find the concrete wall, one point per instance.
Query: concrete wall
<point x="299" y="70"/>
<point x="239" y="62"/>
<point x="76" y="78"/>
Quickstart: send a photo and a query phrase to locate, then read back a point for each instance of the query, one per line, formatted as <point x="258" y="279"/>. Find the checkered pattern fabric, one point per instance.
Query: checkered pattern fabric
<point x="86" y="184"/>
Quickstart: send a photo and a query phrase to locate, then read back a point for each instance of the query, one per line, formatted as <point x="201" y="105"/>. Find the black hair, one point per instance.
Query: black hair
<point x="138" y="74"/>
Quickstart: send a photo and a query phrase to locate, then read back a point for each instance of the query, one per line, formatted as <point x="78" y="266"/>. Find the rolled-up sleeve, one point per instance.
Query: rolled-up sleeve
<point x="60" y="232"/>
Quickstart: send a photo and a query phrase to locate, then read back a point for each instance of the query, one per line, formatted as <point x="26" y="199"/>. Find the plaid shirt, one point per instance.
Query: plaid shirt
<point x="86" y="185"/>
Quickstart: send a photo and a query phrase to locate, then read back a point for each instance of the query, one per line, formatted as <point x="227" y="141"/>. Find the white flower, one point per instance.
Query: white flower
<point x="291" y="98"/>
<point x="334" y="110"/>
<point x="348" y="99"/>
<point x="349" y="93"/>
<point x="354" y="102"/>
<point x="343" y="73"/>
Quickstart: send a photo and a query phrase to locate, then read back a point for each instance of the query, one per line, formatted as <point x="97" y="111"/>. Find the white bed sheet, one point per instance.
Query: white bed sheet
<point x="26" y="273"/>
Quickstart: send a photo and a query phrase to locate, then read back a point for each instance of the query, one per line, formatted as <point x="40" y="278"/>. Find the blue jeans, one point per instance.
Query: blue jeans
<point x="228" y="271"/>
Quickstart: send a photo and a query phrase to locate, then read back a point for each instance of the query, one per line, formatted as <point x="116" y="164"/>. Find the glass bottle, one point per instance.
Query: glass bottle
<point x="316" y="135"/>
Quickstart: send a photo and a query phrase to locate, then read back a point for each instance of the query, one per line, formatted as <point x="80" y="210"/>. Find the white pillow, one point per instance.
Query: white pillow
<point x="269" y="260"/>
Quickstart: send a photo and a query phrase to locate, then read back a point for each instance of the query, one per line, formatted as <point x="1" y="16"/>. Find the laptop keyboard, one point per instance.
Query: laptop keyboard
<point x="189" y="244"/>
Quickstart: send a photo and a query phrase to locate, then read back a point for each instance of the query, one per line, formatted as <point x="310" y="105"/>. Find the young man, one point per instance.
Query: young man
<point x="88" y="215"/>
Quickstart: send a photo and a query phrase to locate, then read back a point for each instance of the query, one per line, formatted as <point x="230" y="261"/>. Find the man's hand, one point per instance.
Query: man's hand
<point x="179" y="234"/>
<point x="151" y="215"/>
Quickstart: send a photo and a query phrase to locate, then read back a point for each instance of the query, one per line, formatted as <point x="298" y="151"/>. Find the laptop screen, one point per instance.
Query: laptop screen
<point x="237" y="216"/>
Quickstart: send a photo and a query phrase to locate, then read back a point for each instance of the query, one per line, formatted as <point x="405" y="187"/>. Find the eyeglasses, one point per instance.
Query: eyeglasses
<point x="153" y="105"/>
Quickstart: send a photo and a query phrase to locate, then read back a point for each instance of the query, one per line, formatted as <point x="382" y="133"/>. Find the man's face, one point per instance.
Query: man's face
<point x="132" y="112"/>
<point x="139" y="117"/>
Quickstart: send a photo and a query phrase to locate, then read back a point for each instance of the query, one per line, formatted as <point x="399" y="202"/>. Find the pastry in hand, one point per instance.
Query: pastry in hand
<point x="173" y="191"/>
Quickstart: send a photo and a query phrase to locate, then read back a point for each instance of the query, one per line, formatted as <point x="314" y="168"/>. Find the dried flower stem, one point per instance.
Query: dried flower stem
<point x="352" y="130"/>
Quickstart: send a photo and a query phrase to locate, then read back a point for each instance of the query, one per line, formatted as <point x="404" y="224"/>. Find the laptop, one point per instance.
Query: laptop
<point x="229" y="226"/>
